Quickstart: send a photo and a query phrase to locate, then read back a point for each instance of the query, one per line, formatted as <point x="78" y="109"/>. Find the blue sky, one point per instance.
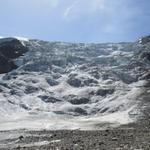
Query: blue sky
<point x="76" y="20"/>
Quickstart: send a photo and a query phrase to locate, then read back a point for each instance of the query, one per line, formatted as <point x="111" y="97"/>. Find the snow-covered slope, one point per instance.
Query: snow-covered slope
<point x="58" y="85"/>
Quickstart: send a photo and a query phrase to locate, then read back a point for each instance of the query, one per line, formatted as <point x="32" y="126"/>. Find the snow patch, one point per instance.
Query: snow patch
<point x="21" y="38"/>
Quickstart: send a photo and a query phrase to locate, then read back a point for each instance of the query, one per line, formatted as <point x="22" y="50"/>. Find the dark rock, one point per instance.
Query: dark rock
<point x="18" y="147"/>
<point x="56" y="75"/>
<point x="72" y="75"/>
<point x="80" y="82"/>
<point x="104" y="92"/>
<point x="92" y="93"/>
<point x="57" y="69"/>
<point x="49" y="99"/>
<point x="105" y="76"/>
<point x="6" y="65"/>
<point x="9" y="50"/>
<point x="79" y="100"/>
<point x="95" y="73"/>
<point x="12" y="48"/>
<point x="126" y="78"/>
<point x="114" y="139"/>
<point x="52" y="82"/>
<point x="145" y="40"/>
<point x="146" y="55"/>
<point x="24" y="107"/>
<point x="104" y="110"/>
<point x="145" y="76"/>
<point x="11" y="102"/>
<point x="14" y="92"/>
<point x="31" y="89"/>
<point x="147" y="84"/>
<point x="21" y="137"/>
<point x="10" y="75"/>
<point x="59" y="112"/>
<point x="80" y="111"/>
<point x="101" y="143"/>
<point x="74" y="82"/>
<point x="77" y="111"/>
<point x="1" y="90"/>
<point x="5" y="85"/>
<point x="89" y="81"/>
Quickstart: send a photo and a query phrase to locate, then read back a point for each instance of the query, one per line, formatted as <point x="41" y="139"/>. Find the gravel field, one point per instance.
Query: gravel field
<point x="122" y="138"/>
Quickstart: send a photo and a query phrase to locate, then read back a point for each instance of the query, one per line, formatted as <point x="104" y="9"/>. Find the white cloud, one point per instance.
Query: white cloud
<point x="112" y="15"/>
<point x="69" y="9"/>
<point x="79" y="8"/>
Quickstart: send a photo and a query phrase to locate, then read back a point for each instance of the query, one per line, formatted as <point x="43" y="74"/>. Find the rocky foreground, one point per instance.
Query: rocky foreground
<point x="124" y="138"/>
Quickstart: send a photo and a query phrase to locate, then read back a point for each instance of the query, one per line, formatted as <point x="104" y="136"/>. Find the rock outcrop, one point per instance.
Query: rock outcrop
<point x="10" y="48"/>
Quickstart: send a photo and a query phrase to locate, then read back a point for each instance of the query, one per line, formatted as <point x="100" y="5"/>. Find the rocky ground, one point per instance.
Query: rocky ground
<point x="123" y="138"/>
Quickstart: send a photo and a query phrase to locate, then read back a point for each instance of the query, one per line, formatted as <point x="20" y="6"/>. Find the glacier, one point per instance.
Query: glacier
<point x="58" y="85"/>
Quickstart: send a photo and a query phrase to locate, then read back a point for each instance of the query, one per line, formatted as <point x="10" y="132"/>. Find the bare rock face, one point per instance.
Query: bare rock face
<point x="10" y="49"/>
<point x="145" y="40"/>
<point x="145" y="55"/>
<point x="6" y="65"/>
